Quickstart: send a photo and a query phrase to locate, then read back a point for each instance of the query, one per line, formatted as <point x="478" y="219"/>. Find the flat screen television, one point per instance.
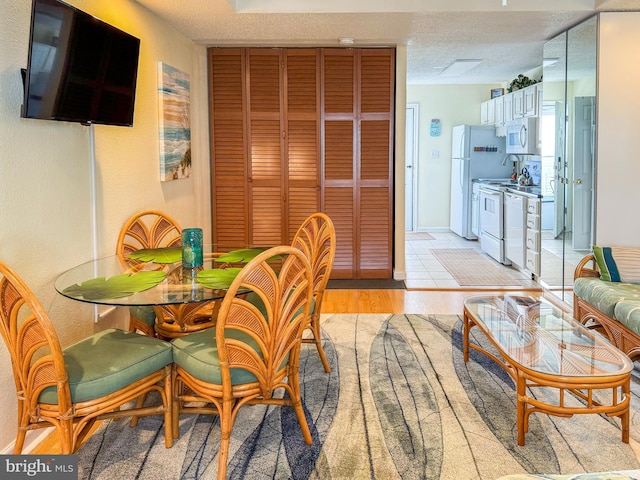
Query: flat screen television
<point x="80" y="69"/>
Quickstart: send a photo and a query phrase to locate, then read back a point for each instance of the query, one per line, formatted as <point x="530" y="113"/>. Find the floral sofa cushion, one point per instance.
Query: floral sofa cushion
<point x="605" y="295"/>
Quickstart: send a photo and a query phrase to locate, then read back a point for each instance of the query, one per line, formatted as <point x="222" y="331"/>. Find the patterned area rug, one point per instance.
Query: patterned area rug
<point x="400" y="403"/>
<point x="470" y="267"/>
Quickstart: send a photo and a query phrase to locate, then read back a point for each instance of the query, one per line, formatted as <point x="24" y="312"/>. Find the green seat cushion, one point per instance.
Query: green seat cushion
<point x="107" y="362"/>
<point x="145" y="314"/>
<point x="605" y="295"/>
<point x="197" y="353"/>
<point x="627" y="312"/>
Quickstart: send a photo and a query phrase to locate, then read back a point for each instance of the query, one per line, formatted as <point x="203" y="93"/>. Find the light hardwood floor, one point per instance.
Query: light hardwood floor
<point x="367" y="301"/>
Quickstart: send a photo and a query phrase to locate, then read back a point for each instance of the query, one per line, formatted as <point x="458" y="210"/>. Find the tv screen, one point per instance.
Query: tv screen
<point x="80" y="69"/>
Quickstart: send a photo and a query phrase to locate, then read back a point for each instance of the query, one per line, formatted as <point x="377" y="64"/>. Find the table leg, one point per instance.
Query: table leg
<point x="465" y="336"/>
<point x="624" y="418"/>
<point x="521" y="406"/>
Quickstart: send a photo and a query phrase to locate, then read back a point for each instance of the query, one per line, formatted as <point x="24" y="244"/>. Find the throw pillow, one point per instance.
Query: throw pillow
<point x="618" y="264"/>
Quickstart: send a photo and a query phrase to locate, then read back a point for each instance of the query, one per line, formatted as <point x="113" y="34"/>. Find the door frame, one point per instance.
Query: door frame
<point x="411" y="140"/>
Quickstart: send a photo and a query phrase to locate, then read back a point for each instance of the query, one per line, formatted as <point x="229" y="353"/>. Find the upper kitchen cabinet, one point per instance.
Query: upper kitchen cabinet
<point x="488" y="112"/>
<point x="499" y="108"/>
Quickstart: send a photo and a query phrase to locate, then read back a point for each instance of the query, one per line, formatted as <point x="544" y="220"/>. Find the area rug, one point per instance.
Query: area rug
<point x="472" y="268"/>
<point x="399" y="403"/>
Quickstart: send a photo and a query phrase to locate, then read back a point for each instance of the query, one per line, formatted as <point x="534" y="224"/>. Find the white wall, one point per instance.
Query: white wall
<point x="618" y="164"/>
<point x="453" y="105"/>
<point x="45" y="197"/>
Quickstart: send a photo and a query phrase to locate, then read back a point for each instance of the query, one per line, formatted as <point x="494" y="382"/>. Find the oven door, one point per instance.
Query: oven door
<point x="491" y="204"/>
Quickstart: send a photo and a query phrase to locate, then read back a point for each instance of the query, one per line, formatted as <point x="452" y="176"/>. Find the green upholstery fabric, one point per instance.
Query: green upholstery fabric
<point x="109" y="361"/>
<point x="613" y="475"/>
<point x="145" y="314"/>
<point x="627" y="312"/>
<point x="197" y="353"/>
<point x="605" y="295"/>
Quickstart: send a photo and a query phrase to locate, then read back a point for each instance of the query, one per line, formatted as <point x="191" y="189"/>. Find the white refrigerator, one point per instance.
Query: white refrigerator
<point x="476" y="153"/>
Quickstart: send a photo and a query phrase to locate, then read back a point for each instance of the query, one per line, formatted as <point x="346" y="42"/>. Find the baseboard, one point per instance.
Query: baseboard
<point x="32" y="440"/>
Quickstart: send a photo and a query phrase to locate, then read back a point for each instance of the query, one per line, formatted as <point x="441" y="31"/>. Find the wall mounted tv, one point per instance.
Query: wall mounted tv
<point x="80" y="69"/>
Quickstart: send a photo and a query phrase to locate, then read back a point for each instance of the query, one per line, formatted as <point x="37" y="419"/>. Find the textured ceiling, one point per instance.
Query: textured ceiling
<point x="508" y="39"/>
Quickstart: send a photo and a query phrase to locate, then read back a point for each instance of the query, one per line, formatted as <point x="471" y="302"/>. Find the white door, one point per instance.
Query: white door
<point x="410" y="173"/>
<point x="559" y="170"/>
<point x="583" y="149"/>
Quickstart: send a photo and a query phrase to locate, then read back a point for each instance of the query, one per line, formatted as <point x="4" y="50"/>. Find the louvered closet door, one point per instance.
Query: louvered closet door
<point x="377" y="72"/>
<point x="228" y="146"/>
<point x="358" y="158"/>
<point x="339" y="149"/>
<point x="266" y="146"/>
<point x="302" y="117"/>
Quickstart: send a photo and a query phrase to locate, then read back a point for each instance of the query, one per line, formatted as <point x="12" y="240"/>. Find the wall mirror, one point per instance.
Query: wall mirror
<point x="568" y="124"/>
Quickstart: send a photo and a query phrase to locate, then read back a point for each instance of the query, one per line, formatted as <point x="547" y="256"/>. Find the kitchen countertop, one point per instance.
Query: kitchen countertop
<point x="509" y="185"/>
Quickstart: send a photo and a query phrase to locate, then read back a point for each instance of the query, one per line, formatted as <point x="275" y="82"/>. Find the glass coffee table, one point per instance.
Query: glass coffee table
<point x="539" y="345"/>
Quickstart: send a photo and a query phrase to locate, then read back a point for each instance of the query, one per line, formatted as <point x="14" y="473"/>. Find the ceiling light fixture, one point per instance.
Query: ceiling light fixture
<point x="504" y="3"/>
<point x="459" y="67"/>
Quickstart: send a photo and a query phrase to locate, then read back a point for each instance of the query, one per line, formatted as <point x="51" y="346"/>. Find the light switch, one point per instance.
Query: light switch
<point x="435" y="153"/>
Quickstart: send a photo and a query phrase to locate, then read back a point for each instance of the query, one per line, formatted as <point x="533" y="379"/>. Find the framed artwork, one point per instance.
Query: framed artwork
<point x="497" y="92"/>
<point x="175" y="125"/>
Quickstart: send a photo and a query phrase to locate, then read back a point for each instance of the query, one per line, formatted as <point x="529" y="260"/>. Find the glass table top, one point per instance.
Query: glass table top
<point x="539" y="336"/>
<point x="154" y="277"/>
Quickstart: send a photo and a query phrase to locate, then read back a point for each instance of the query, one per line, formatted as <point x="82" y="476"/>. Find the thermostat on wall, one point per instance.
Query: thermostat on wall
<point x="434" y="131"/>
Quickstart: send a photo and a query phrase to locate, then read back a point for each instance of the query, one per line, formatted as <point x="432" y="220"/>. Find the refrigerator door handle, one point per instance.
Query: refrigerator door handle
<point x="461" y="174"/>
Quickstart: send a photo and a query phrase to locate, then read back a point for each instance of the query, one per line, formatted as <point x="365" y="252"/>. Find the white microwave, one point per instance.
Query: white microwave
<point x="522" y="136"/>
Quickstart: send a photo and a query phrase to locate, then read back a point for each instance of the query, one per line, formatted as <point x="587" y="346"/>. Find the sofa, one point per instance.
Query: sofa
<point x="606" y="295"/>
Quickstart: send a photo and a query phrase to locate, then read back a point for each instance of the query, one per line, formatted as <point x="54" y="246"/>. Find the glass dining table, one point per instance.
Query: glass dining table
<point x="156" y="278"/>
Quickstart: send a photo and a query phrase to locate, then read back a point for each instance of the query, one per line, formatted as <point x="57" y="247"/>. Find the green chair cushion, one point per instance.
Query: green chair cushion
<point x="605" y="295"/>
<point x="145" y="314"/>
<point x="107" y="362"/>
<point x="197" y="353"/>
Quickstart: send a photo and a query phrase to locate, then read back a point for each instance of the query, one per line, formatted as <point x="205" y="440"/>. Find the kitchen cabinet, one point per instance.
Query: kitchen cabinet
<point x="533" y="235"/>
<point x="488" y="112"/>
<point x="508" y="107"/>
<point x="499" y="109"/>
<point x="530" y="102"/>
<point x="518" y="103"/>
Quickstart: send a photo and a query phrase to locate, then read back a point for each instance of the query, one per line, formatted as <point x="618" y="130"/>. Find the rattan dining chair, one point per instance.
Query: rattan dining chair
<point x="248" y="355"/>
<point x="156" y="229"/>
<point x="70" y="388"/>
<point x="146" y="229"/>
<point x="316" y="237"/>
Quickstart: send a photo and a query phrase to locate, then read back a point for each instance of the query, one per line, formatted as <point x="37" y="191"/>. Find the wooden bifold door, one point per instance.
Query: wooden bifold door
<point x="296" y="131"/>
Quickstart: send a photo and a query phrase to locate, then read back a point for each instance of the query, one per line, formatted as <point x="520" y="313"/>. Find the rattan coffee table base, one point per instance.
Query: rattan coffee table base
<point x="582" y="386"/>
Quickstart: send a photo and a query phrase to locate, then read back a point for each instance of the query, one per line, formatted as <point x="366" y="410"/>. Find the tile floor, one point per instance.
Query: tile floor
<point x="424" y="271"/>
